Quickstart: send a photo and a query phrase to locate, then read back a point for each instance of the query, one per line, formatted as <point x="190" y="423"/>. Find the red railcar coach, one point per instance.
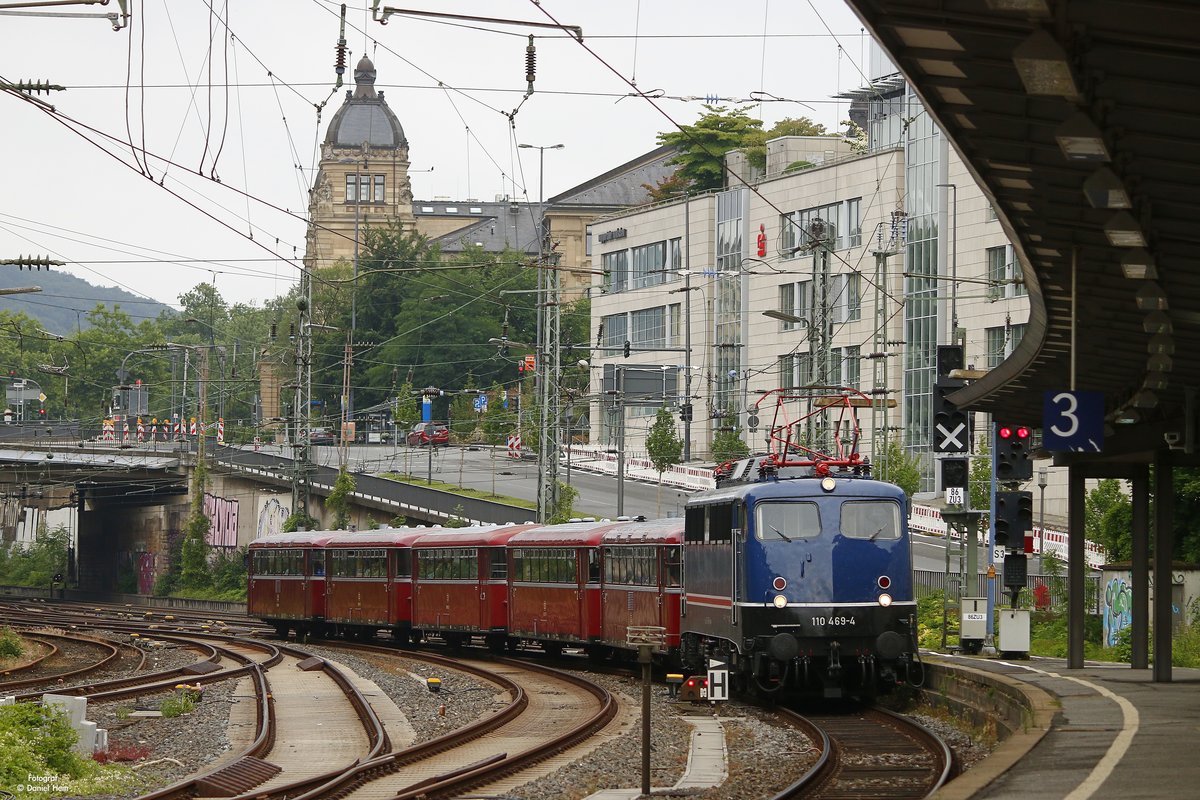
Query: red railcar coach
<point x="286" y="580"/>
<point x="461" y="584"/>
<point x="554" y="586"/>
<point x="369" y="585"/>
<point x="643" y="579"/>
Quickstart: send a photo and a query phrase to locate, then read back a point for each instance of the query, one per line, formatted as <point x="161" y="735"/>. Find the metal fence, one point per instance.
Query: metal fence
<point x="927" y="582"/>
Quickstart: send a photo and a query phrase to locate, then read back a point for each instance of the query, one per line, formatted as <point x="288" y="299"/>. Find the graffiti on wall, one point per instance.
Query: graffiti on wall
<point x="1118" y="608"/>
<point x="223" y="516"/>
<point x="271" y="517"/>
<point x="146" y="573"/>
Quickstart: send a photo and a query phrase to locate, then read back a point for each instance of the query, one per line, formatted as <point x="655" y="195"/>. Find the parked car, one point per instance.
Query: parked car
<point x="428" y="434"/>
<point x="321" y="436"/>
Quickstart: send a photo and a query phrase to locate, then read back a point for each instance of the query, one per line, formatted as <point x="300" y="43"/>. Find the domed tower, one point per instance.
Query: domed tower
<point x="363" y="175"/>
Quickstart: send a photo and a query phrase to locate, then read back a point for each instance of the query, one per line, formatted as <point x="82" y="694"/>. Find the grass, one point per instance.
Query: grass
<point x="454" y="488"/>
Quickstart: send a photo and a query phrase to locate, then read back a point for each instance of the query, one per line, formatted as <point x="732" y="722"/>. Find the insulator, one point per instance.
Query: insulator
<point x="339" y="62"/>
<point x="274" y="330"/>
<point x="291" y="330"/>
<point x="530" y="62"/>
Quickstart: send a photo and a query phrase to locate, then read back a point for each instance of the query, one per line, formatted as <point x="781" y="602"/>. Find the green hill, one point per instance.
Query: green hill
<point x="65" y="299"/>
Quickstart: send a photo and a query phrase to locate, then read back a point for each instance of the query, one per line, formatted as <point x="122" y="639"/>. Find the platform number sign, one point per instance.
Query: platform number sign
<point x="1073" y="422"/>
<point x="718" y="680"/>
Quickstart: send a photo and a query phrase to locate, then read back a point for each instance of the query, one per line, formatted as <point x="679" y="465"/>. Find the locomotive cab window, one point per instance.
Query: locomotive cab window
<point x="787" y="522"/>
<point x="714" y="522"/>
<point x="874" y="520"/>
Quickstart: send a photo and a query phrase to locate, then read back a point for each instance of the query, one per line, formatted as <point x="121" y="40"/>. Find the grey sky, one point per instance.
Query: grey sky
<point x="243" y="110"/>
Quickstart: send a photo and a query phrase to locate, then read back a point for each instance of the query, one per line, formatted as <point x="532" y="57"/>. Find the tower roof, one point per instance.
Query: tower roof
<point x="364" y="117"/>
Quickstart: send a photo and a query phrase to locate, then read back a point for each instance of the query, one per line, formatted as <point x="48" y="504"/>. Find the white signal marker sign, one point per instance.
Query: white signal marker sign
<point x="718" y="684"/>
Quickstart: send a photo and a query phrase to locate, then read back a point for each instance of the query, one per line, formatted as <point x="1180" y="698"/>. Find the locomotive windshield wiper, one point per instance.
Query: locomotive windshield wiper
<point x="782" y="535"/>
<point x="871" y="538"/>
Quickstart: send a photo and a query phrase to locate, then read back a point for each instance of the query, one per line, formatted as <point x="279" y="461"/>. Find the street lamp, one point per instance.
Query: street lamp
<point x="1043" y="475"/>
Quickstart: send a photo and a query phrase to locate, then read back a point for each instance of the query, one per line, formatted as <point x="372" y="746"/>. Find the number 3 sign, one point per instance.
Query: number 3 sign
<point x="1073" y="421"/>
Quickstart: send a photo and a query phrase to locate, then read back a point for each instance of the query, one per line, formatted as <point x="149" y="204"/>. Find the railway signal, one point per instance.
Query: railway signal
<point x="1012" y="452"/>
<point x="950" y="434"/>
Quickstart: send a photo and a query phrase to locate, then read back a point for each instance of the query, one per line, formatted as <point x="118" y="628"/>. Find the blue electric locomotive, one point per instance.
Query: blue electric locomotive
<point x="798" y="574"/>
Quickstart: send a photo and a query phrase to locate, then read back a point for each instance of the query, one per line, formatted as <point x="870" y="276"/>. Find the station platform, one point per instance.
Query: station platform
<point x="1109" y="731"/>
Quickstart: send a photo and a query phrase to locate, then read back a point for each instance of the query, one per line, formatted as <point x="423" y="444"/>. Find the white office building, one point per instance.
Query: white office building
<point x="829" y="267"/>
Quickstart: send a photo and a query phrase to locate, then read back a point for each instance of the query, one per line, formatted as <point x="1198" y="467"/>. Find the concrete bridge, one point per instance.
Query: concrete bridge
<point x="124" y="504"/>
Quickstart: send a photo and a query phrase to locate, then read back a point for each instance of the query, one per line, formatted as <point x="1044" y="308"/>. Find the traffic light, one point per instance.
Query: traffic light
<point x="1014" y="516"/>
<point x="627" y="348"/>
<point x="950" y="433"/>
<point x="685" y="412"/>
<point x="1012" y="452"/>
<point x="949" y="357"/>
<point x="954" y="473"/>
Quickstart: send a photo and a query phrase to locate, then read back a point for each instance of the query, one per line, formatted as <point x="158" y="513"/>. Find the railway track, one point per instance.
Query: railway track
<point x="871" y="753"/>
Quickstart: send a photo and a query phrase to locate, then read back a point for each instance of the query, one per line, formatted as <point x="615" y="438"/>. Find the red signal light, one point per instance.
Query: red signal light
<point x="691" y="683"/>
<point x="1005" y="432"/>
<point x="1022" y="432"/>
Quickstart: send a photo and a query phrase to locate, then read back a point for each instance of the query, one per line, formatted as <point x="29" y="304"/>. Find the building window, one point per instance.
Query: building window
<point x="1004" y="274"/>
<point x="851" y="367"/>
<point x="649" y="328"/>
<point x="847" y="297"/>
<point x="787" y="305"/>
<point x="359" y="189"/>
<point x="648" y="263"/>
<point x="614" y="330"/>
<point x="674" y="320"/>
<point x="675" y="254"/>
<point x="616" y="270"/>
<point x="1001" y="342"/>
<point x="729" y="231"/>
<point x="853" y="223"/>
<point x="834" y="225"/>
<point x="787" y="372"/>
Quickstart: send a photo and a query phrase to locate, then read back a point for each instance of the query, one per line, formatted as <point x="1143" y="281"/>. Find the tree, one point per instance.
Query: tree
<point x="702" y="146"/>
<point x="194" y="572"/>
<point x="668" y="188"/>
<point x="900" y="468"/>
<point x="564" y="511"/>
<point x="1107" y="513"/>
<point x="664" y="447"/>
<point x="728" y="446"/>
<point x="338" y="500"/>
<point x="980" y="479"/>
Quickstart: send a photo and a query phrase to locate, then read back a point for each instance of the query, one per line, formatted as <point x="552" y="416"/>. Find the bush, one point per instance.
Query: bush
<point x="37" y="740"/>
<point x="11" y="645"/>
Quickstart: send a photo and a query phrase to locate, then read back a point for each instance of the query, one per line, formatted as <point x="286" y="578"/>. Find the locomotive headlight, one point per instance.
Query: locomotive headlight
<point x="780" y="601"/>
<point x="885" y="599"/>
<point x="828" y="484"/>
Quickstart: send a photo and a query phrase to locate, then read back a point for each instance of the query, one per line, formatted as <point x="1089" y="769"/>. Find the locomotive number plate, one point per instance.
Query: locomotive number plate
<point x="823" y="622"/>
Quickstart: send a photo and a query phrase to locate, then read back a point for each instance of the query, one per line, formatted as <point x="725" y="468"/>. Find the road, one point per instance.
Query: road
<point x="489" y="469"/>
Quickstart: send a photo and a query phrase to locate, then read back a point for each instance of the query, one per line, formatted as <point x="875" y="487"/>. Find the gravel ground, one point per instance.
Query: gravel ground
<point x="763" y="756"/>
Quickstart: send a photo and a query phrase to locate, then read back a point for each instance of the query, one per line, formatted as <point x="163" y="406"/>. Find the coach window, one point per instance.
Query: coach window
<point x="499" y="565"/>
<point x="786" y="522"/>
<point x="403" y="563"/>
<point x="318" y="563"/>
<point x="673" y="565"/>
<point x="874" y="520"/>
<point x="593" y="573"/>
